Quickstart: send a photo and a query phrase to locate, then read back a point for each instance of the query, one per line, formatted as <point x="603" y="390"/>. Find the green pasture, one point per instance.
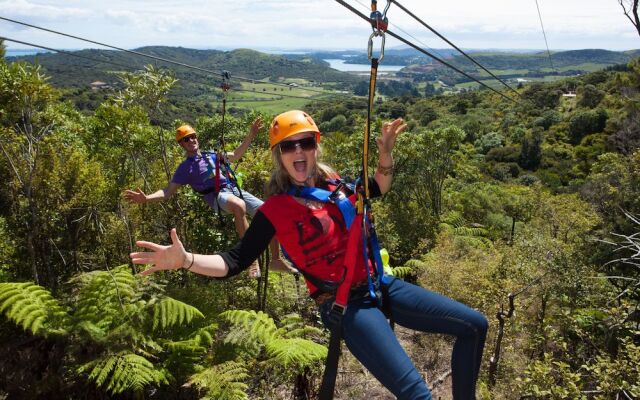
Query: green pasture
<point x="274" y="98"/>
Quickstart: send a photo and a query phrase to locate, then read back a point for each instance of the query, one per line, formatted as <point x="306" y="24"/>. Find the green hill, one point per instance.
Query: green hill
<point x="71" y="71"/>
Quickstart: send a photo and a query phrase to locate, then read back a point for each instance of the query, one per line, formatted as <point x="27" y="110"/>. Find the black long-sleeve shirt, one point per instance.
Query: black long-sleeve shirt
<point x="257" y="237"/>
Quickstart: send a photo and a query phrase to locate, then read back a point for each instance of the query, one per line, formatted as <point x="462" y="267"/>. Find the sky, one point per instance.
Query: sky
<point x="270" y="25"/>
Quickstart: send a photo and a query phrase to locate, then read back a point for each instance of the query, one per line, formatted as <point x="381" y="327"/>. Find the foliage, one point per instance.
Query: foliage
<point x="114" y="328"/>
<point x="33" y="308"/>
<point x="616" y="376"/>
<point x="223" y="381"/>
<point x="489" y="199"/>
<point x="287" y="348"/>
<point x="585" y="123"/>
<point x="123" y="372"/>
<point x="551" y="379"/>
<point x="424" y="161"/>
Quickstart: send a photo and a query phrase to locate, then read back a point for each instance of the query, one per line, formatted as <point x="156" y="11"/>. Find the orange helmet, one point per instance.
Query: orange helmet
<point x="184" y="130"/>
<point x="290" y="123"/>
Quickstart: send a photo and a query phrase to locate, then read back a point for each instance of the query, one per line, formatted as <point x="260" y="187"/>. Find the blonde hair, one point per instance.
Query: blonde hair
<point x="280" y="179"/>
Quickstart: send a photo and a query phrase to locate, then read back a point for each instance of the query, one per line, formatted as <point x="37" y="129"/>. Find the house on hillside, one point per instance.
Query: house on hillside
<point x="99" y="85"/>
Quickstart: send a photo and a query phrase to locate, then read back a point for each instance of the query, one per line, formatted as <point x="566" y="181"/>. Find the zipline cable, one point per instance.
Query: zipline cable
<point x="453" y="45"/>
<point x="407" y="33"/>
<point x="156" y="58"/>
<point x="68" y="53"/>
<point x="405" y="41"/>
<point x="545" y="36"/>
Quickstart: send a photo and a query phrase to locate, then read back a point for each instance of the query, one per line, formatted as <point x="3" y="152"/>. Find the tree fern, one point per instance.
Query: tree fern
<point x="296" y="352"/>
<point x="169" y="312"/>
<point x="284" y="350"/>
<point x="293" y="326"/>
<point x="402" y="272"/>
<point x="123" y="372"/>
<point x="255" y="326"/>
<point x="102" y="295"/>
<point x="223" y="381"/>
<point x="471" y="235"/>
<point x="33" y="308"/>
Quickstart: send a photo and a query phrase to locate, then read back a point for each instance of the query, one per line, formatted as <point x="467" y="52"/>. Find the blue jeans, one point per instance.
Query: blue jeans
<point x="371" y="340"/>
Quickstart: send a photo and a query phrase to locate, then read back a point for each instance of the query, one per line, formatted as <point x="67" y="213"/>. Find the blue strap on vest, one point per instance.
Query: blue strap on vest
<point x="347" y="209"/>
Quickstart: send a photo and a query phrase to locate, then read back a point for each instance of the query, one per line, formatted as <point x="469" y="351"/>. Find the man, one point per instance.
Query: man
<point x="198" y="171"/>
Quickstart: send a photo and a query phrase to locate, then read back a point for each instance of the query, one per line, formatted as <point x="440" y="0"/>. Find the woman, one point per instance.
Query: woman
<point x="314" y="235"/>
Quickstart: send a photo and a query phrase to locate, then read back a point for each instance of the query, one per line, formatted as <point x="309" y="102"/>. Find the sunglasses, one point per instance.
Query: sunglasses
<point x="187" y="139"/>
<point x="306" y="144"/>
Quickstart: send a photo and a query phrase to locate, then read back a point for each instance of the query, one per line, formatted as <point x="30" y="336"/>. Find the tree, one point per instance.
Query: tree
<point x="489" y="141"/>
<point x="630" y="9"/>
<point x="590" y="97"/>
<point x="584" y="123"/>
<point x="531" y="150"/>
<point x="425" y="160"/>
<point x="24" y="96"/>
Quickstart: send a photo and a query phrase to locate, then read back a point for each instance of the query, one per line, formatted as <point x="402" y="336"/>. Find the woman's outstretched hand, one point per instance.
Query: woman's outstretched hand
<point x="390" y="131"/>
<point x="161" y="257"/>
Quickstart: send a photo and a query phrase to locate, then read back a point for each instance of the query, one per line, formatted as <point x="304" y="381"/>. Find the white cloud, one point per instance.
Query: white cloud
<point x="41" y="12"/>
<point x="324" y="24"/>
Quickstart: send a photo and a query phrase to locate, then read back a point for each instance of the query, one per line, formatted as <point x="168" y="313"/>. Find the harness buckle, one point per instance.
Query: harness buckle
<point x="337" y="191"/>
<point x="338" y="308"/>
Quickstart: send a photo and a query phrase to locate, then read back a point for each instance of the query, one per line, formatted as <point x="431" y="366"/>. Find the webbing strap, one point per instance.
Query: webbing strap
<point x="328" y="385"/>
<point x="337" y="312"/>
<point x="367" y="135"/>
<point x="324" y="196"/>
<point x="216" y="180"/>
<point x="355" y="234"/>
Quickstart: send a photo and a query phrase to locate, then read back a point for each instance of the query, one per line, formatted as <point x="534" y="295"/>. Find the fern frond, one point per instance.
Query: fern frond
<point x="106" y="297"/>
<point x="33" y="308"/>
<point x="454" y="219"/>
<point x="475" y="241"/>
<point x="259" y="326"/>
<point x="296" y="352"/>
<point x="303" y="332"/>
<point x="223" y="381"/>
<point x="471" y="231"/>
<point x="189" y="345"/>
<point x="123" y="372"/>
<point x="169" y="312"/>
<point x="415" y="264"/>
<point x="402" y="272"/>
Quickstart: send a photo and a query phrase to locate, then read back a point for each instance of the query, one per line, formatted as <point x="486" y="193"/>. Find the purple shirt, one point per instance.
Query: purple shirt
<point x="196" y="172"/>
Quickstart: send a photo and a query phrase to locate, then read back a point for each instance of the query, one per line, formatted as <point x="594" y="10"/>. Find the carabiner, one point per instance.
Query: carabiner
<point x="370" y="46"/>
<point x="379" y="21"/>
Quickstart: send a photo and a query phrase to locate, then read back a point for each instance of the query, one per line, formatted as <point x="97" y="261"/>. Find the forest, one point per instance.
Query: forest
<point x="526" y="210"/>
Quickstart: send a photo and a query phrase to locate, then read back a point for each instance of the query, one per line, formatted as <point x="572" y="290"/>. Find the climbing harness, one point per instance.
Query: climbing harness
<point x="362" y="228"/>
<point x="220" y="167"/>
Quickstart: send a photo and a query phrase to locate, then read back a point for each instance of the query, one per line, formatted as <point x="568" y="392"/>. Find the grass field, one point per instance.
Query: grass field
<point x="274" y="98"/>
